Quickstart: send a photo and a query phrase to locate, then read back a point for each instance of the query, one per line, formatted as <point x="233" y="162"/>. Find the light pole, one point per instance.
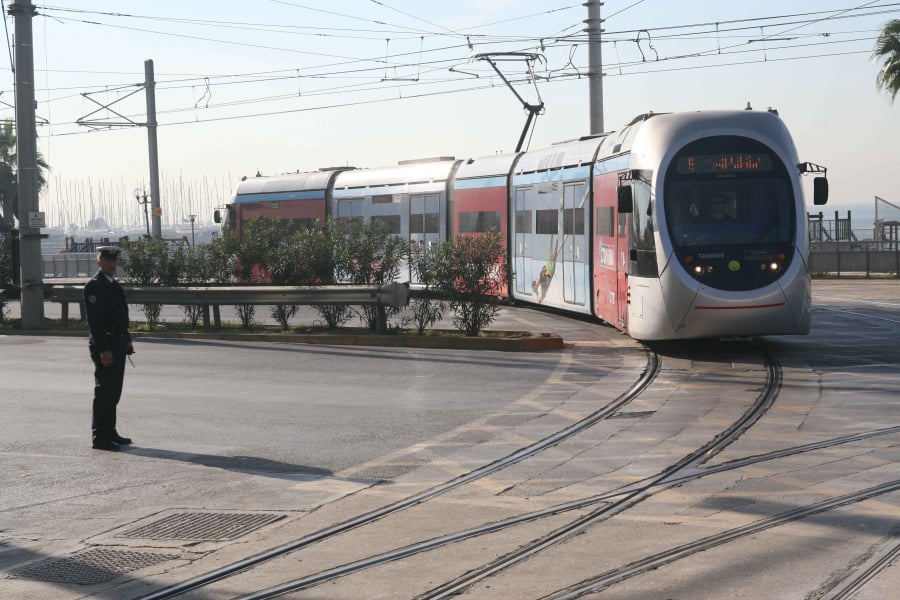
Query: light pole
<point x="140" y="194"/>
<point x="193" y="242"/>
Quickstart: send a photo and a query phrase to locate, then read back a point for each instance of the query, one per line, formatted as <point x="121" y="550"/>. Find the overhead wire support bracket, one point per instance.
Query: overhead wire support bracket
<point x="533" y="109"/>
<point x="107" y="124"/>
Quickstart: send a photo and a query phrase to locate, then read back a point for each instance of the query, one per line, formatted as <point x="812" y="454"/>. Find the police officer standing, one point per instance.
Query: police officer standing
<point x="110" y="342"/>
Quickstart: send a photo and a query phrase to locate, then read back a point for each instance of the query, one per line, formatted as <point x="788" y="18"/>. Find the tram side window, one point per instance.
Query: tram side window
<point x="524" y="221"/>
<point x="300" y="224"/>
<point x="385" y="199"/>
<point x="479" y="222"/>
<point x="573" y="221"/>
<point x="424" y="223"/>
<point x="643" y="242"/>
<point x="605" y="221"/>
<point x="424" y="214"/>
<point x="547" y="222"/>
<point x="392" y="222"/>
<point x="349" y="210"/>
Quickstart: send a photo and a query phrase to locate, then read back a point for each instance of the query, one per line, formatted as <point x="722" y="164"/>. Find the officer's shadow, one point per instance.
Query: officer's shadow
<point x="240" y="464"/>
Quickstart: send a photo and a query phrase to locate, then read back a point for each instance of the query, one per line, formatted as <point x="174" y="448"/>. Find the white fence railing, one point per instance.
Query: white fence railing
<point x="69" y="265"/>
<point x="865" y="257"/>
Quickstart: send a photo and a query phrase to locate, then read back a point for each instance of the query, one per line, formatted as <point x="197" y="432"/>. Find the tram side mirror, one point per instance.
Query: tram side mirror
<point x="626" y="199"/>
<point x="217" y="217"/>
<point x="820" y="191"/>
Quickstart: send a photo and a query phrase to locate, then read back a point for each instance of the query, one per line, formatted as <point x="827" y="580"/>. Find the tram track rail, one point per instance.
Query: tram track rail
<point x="647" y="376"/>
<point x="437" y="542"/>
<point x="613" y="503"/>
<point x="766" y="398"/>
<point x="847" y="588"/>
<point x="691" y="467"/>
<point x="655" y="561"/>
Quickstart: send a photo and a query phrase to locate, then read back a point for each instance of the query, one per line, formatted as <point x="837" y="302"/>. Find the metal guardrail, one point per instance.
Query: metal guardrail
<point x="392" y="294"/>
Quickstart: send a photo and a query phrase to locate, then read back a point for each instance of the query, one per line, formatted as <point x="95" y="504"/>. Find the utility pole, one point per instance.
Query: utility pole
<point x="30" y="219"/>
<point x="150" y="86"/>
<point x="150" y="89"/>
<point x="595" y="64"/>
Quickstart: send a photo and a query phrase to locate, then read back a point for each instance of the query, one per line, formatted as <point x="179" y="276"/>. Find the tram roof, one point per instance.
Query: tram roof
<point x="312" y="180"/>
<point x="486" y="166"/>
<point x="417" y="172"/>
<point x="566" y="154"/>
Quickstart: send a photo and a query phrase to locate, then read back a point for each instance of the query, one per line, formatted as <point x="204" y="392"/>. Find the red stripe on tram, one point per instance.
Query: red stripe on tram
<point x="738" y="307"/>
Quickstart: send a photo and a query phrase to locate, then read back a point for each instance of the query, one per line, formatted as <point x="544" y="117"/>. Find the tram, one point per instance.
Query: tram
<point x="677" y="226"/>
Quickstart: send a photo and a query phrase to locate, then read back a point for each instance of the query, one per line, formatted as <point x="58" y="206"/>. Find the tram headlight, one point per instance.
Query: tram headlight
<point x="698" y="270"/>
<point x="774" y="266"/>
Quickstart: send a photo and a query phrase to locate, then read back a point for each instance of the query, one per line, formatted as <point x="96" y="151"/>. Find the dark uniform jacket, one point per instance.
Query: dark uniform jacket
<point x="107" y="312"/>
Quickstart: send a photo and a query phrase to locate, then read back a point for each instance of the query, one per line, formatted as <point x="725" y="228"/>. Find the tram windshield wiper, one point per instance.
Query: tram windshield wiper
<point x="765" y="232"/>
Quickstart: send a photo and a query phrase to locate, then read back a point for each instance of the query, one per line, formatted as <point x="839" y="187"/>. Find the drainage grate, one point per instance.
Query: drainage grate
<point x="202" y="526"/>
<point x="92" y="566"/>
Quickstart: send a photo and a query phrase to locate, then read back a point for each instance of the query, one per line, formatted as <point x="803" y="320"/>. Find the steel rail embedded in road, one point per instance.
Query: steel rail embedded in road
<point x="657" y="560"/>
<point x="437" y="542"/>
<point x="764" y="401"/>
<point x="647" y="376"/>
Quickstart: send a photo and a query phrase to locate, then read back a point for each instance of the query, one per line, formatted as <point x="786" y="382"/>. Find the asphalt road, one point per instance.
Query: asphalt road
<point x="221" y="426"/>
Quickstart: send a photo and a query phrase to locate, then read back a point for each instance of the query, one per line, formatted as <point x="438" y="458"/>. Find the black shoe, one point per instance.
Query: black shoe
<point x="122" y="441"/>
<point x="105" y="444"/>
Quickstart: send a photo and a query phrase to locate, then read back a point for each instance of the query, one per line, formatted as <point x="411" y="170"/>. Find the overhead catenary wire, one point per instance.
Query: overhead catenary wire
<point x="551" y="42"/>
<point x="12" y="62"/>
<point x="554" y="78"/>
<point x="409" y="97"/>
<point x="568" y="71"/>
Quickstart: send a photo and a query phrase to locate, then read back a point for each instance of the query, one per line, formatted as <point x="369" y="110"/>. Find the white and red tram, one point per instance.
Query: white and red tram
<point x="682" y="225"/>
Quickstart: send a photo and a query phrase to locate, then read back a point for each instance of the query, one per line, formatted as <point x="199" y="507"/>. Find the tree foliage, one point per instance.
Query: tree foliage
<point x="887" y="51"/>
<point x="471" y="271"/>
<point x="467" y="272"/>
<point x="369" y="254"/>
<point x="150" y="262"/>
<point x="9" y="183"/>
<point x="426" y="308"/>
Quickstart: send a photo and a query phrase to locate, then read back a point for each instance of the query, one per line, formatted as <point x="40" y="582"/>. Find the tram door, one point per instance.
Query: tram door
<point x="523" y="274"/>
<point x="424" y="221"/>
<point x="349" y="209"/>
<point x="622" y="248"/>
<point x="573" y="240"/>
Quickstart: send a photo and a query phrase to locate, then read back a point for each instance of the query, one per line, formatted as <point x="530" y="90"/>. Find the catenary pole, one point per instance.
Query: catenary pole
<point x="30" y="219"/>
<point x="595" y="66"/>
<point x="150" y="86"/>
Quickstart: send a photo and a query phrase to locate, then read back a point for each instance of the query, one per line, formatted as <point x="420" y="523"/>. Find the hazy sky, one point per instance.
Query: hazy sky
<point x="286" y="85"/>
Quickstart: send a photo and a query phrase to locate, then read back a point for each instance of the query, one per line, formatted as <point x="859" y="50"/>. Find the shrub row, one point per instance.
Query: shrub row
<point x="466" y="273"/>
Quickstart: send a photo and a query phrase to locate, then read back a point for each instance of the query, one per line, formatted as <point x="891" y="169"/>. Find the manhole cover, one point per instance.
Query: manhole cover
<point x="202" y="526"/>
<point x="88" y="567"/>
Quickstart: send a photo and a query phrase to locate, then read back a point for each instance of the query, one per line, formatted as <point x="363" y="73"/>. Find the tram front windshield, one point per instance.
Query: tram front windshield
<point x="738" y="195"/>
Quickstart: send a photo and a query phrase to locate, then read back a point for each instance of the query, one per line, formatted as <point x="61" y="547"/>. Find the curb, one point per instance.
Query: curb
<point x="507" y="341"/>
<point x="511" y="341"/>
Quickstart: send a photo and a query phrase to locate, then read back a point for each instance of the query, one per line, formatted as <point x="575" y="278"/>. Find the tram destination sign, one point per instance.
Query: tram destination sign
<point x="699" y="164"/>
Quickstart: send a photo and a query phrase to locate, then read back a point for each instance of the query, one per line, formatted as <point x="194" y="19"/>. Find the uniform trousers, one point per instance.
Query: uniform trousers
<point x="107" y="387"/>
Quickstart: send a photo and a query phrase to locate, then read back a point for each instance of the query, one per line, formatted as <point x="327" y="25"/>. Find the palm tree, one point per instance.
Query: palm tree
<point x="887" y="49"/>
<point x="9" y="184"/>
